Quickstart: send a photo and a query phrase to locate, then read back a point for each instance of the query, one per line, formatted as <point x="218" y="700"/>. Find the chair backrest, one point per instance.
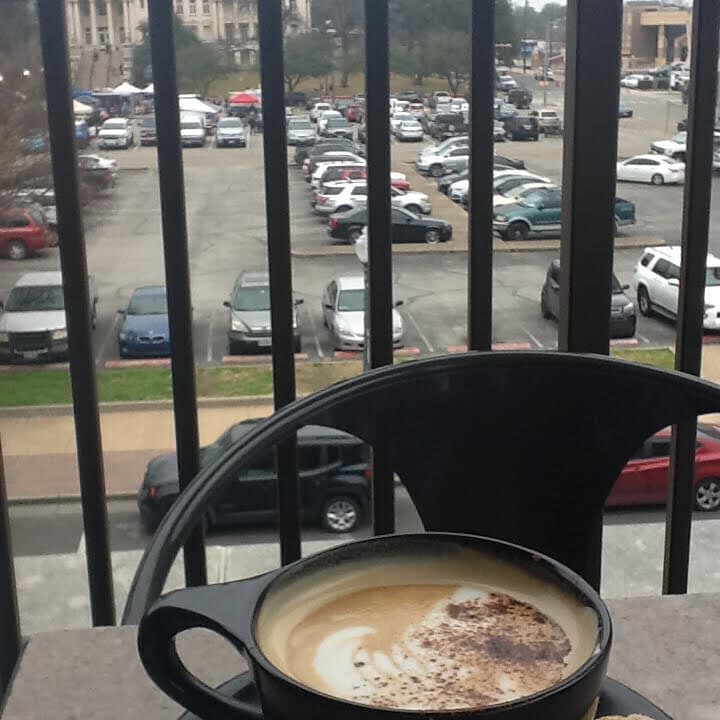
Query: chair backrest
<point x="520" y="446"/>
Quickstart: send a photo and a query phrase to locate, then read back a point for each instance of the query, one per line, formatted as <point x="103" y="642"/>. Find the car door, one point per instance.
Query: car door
<point x="631" y="170"/>
<point x="652" y="472"/>
<point x="252" y="495"/>
<point x="665" y="285"/>
<point x="649" y="167"/>
<point x="359" y="196"/>
<point x="456" y="159"/>
<point x="403" y="227"/>
<point x="628" y="488"/>
<point x="547" y="215"/>
<point x="315" y="464"/>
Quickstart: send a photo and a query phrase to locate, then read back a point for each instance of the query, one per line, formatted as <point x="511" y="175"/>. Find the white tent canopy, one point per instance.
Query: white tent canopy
<point x="126" y="88"/>
<point x="149" y="89"/>
<point x="192" y="104"/>
<point x="81" y="109"/>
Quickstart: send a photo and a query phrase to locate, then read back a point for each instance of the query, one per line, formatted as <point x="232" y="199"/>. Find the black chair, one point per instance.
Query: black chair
<point x="519" y="446"/>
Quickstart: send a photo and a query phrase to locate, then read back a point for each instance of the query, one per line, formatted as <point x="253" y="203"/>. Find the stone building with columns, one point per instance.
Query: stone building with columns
<point x="655" y="33"/>
<point x="112" y="27"/>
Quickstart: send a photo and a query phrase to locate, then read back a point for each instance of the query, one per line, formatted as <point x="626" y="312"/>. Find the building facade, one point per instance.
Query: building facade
<point x="114" y="26"/>
<point x="655" y="34"/>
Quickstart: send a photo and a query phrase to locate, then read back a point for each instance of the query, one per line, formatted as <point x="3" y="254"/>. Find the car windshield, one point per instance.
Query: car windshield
<point x="225" y="441"/>
<point x="712" y="277"/>
<point x="114" y="125"/>
<point x="680" y="138"/>
<point x="411" y="126"/>
<point x="190" y="125"/>
<point x="253" y="298"/>
<point x="616" y="287"/>
<point x="148" y="122"/>
<point x="533" y="197"/>
<point x="230" y="123"/>
<point x="337" y="122"/>
<point x="351" y="301"/>
<point x="148" y="305"/>
<point x="35" y="298"/>
<point x="300" y="125"/>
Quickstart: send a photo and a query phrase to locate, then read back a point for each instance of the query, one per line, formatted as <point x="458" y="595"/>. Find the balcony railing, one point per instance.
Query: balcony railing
<point x="588" y="182"/>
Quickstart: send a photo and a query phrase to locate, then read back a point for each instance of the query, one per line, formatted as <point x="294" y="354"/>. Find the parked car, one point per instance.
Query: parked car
<point x="397" y="118"/>
<point x="333" y="473"/>
<point x="249" y="322"/>
<point x="499" y="134"/>
<point x="417" y="110"/>
<point x="44" y="200"/>
<point x="148" y="131"/>
<point x="145" y="329"/>
<point x="445" y="161"/>
<point x="548" y="121"/>
<point x="324" y="117"/>
<point x="320" y="174"/>
<point x="33" y="325"/>
<point x="406" y="227"/>
<point x="625" y="111"/>
<point x="504" y="110"/>
<point x="115" y="133"/>
<point x="657" y="283"/>
<point x="544" y="74"/>
<point x="96" y="171"/>
<point x="637" y="81"/>
<point x="520" y="221"/>
<point x="500" y="163"/>
<point x="230" y="132"/>
<point x="410" y="96"/>
<point x="23" y="231"/>
<point x="623" y="318"/>
<point x="410" y="131"/>
<point x="522" y="127"/>
<point x="333" y="173"/>
<point x="192" y="130"/>
<point x="644" y="479"/>
<point x="439" y="96"/>
<point x="674" y="148"/>
<point x="317" y="109"/>
<point x="330" y="156"/>
<point x="339" y="197"/>
<point x="300" y="132"/>
<point x="343" y="308"/>
<point x="323" y="145"/>
<point x="655" y="169"/>
<point x="82" y="133"/>
<point x="353" y="113"/>
<point x="509" y="162"/>
<point x="506" y="82"/>
<point x="446" y="125"/>
<point x="520" y="97"/>
<point x="337" y="127"/>
<point x="511" y="193"/>
<point x="504" y="180"/>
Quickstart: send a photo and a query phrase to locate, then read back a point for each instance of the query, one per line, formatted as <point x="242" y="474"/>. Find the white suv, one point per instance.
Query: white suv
<point x="657" y="281"/>
<point x="340" y="196"/>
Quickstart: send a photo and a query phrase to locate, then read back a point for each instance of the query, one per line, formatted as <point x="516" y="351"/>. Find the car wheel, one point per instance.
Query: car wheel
<point x="354" y="233"/>
<point x="341" y="514"/>
<point x="644" y="302"/>
<point x="707" y="494"/>
<point x="432" y="236"/>
<point x="414" y="209"/>
<point x="16" y="250"/>
<point x="509" y="135"/>
<point x="544" y="308"/>
<point x="517" y="231"/>
<point x="657" y="179"/>
<point x="436" y="170"/>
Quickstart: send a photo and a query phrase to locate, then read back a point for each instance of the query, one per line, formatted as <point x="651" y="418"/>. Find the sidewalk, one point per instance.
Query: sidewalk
<point x="39" y="444"/>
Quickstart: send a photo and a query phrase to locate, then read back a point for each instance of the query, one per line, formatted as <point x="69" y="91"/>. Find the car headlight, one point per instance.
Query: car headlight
<point x="59" y="334"/>
<point x="343" y="326"/>
<point x="628" y="309"/>
<point x="124" y="336"/>
<point x="501" y="218"/>
<point x="238" y="325"/>
<point x="4" y="337"/>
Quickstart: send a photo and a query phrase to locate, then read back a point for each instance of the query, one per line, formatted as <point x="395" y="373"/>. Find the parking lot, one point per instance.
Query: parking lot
<point x="226" y="223"/>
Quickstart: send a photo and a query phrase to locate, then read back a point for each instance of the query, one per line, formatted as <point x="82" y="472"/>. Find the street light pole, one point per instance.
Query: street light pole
<point x="523" y="47"/>
<point x="547" y="63"/>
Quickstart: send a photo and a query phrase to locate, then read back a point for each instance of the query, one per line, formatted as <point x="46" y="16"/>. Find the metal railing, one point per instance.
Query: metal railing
<point x="590" y="151"/>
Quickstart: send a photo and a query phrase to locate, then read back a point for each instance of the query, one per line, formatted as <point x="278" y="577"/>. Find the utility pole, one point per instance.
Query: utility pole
<point x="523" y="45"/>
<point x="547" y="63"/>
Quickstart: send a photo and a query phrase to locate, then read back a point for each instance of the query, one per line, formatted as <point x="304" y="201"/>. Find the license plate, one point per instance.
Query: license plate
<point x="31" y="355"/>
<point x="264" y="342"/>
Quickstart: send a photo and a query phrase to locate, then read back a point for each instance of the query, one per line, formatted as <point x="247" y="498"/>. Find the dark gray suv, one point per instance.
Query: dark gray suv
<point x="623" y="318"/>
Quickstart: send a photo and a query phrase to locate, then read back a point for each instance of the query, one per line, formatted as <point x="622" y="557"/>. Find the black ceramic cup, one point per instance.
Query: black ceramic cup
<point x="234" y="610"/>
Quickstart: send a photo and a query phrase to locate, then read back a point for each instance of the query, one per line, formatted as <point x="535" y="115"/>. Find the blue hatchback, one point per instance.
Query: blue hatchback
<point x="145" y="331"/>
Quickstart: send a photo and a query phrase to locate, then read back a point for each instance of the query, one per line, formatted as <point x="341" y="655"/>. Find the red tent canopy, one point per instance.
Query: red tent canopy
<point x="244" y="99"/>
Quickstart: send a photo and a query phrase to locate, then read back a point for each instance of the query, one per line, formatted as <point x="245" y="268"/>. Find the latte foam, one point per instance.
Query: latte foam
<point x="390" y="637"/>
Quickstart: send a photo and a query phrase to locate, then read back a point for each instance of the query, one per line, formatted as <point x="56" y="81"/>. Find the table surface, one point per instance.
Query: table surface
<point x="667" y="648"/>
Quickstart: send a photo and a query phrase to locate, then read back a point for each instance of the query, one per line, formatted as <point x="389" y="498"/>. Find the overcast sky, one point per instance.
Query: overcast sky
<point x="537" y="4"/>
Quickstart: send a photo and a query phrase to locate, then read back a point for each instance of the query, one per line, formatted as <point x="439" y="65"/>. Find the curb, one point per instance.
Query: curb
<point x="66" y="499"/>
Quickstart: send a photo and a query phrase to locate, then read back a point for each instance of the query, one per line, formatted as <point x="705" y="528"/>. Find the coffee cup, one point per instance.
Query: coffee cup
<point x="406" y="627"/>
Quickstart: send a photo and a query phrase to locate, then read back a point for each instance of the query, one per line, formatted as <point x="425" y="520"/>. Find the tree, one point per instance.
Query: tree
<point x="506" y="33"/>
<point x="306" y="55"/>
<point x="22" y="103"/>
<point x="199" y="64"/>
<point x="344" y="19"/>
<point x="448" y="55"/>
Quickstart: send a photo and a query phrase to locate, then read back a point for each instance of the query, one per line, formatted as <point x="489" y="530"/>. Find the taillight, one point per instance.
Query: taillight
<point x="152" y="491"/>
<point x="333" y="223"/>
<point x="368" y="473"/>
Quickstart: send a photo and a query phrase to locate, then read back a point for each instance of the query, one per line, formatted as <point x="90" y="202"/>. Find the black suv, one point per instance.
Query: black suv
<point x="445" y="125"/>
<point x="520" y="97"/>
<point x="333" y="469"/>
<point x="522" y="127"/>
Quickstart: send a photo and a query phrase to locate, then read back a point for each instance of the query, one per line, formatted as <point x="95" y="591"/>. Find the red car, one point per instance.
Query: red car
<point x="24" y="230"/>
<point x="644" y="480"/>
<point x="353" y="113"/>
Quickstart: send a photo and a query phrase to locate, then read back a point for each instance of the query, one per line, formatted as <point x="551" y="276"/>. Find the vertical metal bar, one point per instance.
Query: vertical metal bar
<point x="377" y="90"/>
<point x="177" y="266"/>
<point x="480" y="217"/>
<point x="592" y="94"/>
<point x="9" y="616"/>
<point x="277" y="208"/>
<point x="73" y="263"/>
<point x="695" y="227"/>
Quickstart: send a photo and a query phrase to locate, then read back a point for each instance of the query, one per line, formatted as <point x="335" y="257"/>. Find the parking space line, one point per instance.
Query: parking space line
<point x="643" y="339"/>
<point x="211" y="327"/>
<point x="422" y="335"/>
<point x="532" y="337"/>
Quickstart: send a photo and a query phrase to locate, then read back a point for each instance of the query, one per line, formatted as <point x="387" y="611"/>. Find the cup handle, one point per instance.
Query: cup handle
<point x="219" y="608"/>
